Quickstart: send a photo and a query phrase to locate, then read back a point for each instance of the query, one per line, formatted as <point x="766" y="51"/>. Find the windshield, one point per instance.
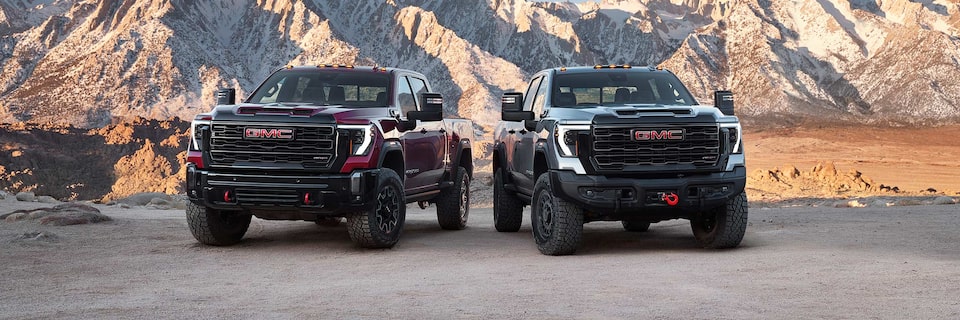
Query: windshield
<point x="321" y="87"/>
<point x="609" y="88"/>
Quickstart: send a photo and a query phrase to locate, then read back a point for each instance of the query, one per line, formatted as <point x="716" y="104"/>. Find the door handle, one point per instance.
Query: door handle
<point x="442" y="130"/>
<point x="523" y="131"/>
<point x="512" y="131"/>
<point x="423" y="130"/>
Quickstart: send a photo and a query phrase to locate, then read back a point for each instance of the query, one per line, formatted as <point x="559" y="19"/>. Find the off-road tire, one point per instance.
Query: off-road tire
<point x="635" y="226"/>
<point x="557" y="224"/>
<point x="722" y="227"/>
<point x="380" y="226"/>
<point x="215" y="227"/>
<point x="507" y="208"/>
<point x="453" y="204"/>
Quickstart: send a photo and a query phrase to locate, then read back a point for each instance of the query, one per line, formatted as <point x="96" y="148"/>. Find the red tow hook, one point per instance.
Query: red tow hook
<point x="671" y="199"/>
<point x="306" y="198"/>
<point x="226" y="196"/>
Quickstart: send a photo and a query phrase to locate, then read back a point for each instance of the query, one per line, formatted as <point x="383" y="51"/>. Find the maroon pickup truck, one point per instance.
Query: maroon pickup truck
<point x="320" y="143"/>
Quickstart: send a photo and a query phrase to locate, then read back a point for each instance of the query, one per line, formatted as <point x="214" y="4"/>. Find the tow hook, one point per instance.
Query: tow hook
<point x="671" y="199"/>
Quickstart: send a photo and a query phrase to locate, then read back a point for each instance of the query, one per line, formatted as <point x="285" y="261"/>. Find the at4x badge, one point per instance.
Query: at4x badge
<point x="646" y="134"/>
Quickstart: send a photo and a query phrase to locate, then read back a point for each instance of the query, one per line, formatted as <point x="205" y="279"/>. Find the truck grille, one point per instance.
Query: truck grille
<point x="615" y="148"/>
<point x="312" y="147"/>
<point x="266" y="196"/>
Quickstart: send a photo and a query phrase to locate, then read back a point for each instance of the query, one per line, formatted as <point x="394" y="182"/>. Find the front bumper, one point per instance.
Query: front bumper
<point x="282" y="197"/>
<point x="618" y="198"/>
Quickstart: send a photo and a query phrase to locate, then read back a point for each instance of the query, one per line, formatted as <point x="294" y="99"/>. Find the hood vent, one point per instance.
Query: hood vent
<point x="253" y="110"/>
<point x="657" y="112"/>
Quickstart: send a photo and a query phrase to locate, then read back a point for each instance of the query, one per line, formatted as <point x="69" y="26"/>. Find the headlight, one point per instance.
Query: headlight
<point x="734" y="137"/>
<point x="196" y="133"/>
<point x="358" y="137"/>
<point x="567" y="139"/>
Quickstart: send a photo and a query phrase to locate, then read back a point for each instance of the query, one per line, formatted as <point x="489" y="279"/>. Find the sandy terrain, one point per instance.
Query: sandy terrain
<point x="804" y="262"/>
<point x="809" y="260"/>
<point x="911" y="159"/>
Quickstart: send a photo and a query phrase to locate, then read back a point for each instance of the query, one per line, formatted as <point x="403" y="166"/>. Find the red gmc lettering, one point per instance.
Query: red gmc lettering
<point x="268" y="133"/>
<point x="658" y="135"/>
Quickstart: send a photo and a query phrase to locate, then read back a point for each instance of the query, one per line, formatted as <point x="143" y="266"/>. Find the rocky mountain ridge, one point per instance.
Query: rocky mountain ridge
<point x="86" y="63"/>
<point x="107" y="163"/>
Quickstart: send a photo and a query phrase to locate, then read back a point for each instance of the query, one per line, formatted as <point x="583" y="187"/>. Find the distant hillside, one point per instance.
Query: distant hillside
<point x="87" y="62"/>
<point x="107" y="163"/>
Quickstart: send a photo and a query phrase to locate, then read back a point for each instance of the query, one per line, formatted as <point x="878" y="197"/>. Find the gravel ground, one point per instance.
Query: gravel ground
<point x="802" y="262"/>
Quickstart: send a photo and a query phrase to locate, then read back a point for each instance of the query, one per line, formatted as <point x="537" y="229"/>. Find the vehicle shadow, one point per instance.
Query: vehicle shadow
<point x="675" y="236"/>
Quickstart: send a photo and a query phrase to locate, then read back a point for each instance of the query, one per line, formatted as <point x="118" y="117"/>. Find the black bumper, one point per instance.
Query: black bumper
<point x="282" y="197"/>
<point x="617" y="198"/>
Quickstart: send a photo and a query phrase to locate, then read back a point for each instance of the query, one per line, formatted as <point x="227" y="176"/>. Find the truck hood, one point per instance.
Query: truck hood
<point x="641" y="113"/>
<point x="294" y="113"/>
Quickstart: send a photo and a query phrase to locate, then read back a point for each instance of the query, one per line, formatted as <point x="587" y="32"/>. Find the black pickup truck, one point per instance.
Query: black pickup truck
<point x="319" y="143"/>
<point x="617" y="143"/>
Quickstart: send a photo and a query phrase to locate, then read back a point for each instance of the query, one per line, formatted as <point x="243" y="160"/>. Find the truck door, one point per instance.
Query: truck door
<point x="423" y="148"/>
<point x="526" y="140"/>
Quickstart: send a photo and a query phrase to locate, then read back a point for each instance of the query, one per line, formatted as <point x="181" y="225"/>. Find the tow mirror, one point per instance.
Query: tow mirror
<point x="723" y="100"/>
<point x="226" y="96"/>
<point x="511" y="107"/>
<point x="431" y="108"/>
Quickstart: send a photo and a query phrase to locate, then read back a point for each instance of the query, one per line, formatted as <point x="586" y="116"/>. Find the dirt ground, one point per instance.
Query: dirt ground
<point x="802" y="262"/>
<point x="802" y="257"/>
<point x="912" y="159"/>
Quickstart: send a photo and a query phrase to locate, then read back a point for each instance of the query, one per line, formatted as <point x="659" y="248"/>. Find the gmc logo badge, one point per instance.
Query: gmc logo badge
<point x="645" y="135"/>
<point x="262" y="133"/>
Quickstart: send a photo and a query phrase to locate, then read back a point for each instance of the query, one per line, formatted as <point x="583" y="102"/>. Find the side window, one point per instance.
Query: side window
<point x="405" y="97"/>
<point x="531" y="91"/>
<point x="418" y="86"/>
<point x="540" y="100"/>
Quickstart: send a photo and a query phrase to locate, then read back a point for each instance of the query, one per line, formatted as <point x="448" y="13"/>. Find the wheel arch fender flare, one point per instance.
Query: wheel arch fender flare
<point x="391" y="149"/>
<point x="463" y="149"/>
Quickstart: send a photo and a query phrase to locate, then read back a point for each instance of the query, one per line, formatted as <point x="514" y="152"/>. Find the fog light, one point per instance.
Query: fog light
<point x="355" y="183"/>
<point x="590" y="194"/>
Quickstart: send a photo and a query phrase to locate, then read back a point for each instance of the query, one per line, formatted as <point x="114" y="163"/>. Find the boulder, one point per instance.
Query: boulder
<point x="61" y="215"/>
<point x="142" y="199"/>
<point x="26" y="196"/>
<point x="908" y="202"/>
<point x="47" y="199"/>
<point x="160" y="204"/>
<point x="880" y="203"/>
<point x="40" y="236"/>
<point x="944" y="200"/>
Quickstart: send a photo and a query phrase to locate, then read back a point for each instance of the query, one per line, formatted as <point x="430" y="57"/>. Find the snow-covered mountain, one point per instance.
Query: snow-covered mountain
<point x="90" y="62"/>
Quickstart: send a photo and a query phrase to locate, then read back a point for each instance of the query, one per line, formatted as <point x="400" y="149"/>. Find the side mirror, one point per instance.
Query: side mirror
<point x="723" y="100"/>
<point x="431" y="108"/>
<point x="511" y="108"/>
<point x="530" y="125"/>
<point x="226" y="96"/>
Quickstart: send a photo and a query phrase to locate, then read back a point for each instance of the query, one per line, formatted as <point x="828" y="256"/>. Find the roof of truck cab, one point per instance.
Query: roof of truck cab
<point x="605" y="68"/>
<point x="348" y="68"/>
